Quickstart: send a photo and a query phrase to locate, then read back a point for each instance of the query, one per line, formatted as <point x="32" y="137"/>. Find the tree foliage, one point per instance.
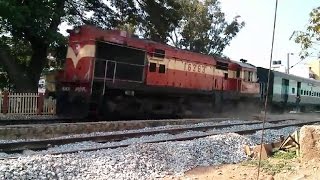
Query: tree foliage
<point x="152" y="19"/>
<point x="33" y="24"/>
<point x="310" y="39"/>
<point x="203" y="27"/>
<point x="29" y="29"/>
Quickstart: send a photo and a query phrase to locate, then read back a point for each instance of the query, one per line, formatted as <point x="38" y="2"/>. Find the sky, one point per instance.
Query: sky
<point x="253" y="42"/>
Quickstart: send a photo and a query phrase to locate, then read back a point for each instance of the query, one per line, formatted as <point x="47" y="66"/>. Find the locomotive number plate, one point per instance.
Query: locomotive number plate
<point x="192" y="67"/>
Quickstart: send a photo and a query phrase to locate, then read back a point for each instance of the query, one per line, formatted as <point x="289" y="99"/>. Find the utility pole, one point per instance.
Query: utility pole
<point x="288" y="61"/>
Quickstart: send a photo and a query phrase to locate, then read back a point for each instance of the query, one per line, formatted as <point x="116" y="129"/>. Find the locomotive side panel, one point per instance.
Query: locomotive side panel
<point x="179" y="73"/>
<point x="190" y="75"/>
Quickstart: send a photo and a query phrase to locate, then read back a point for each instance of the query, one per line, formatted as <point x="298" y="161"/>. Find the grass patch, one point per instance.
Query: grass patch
<point x="284" y="155"/>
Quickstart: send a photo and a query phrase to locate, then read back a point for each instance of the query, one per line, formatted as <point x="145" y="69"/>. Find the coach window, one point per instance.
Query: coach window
<point x="309" y="93"/>
<point x="238" y="73"/>
<point x="250" y="76"/>
<point x="304" y="92"/>
<point x="293" y="90"/>
<point x="162" y="68"/>
<point x="301" y="92"/>
<point x="246" y="75"/>
<point x="152" y="67"/>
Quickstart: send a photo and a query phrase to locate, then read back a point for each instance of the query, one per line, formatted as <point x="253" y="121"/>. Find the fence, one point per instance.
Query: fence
<point x="26" y="104"/>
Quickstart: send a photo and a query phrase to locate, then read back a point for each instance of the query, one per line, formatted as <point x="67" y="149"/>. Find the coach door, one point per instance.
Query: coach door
<point x="238" y="80"/>
<point x="284" y="90"/>
<point x="298" y="88"/>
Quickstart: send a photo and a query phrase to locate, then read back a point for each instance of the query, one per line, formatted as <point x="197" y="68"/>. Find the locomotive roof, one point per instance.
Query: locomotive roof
<point x="124" y="38"/>
<point x="245" y="65"/>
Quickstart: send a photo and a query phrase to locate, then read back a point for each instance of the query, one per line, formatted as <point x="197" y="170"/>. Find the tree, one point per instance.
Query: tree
<point x="35" y="24"/>
<point x="310" y="39"/>
<point x="203" y="27"/>
<point x="158" y="19"/>
<point x="153" y="19"/>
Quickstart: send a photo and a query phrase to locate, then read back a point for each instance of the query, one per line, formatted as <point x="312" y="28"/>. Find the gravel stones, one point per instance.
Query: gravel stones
<point x="271" y="135"/>
<point x="138" y="161"/>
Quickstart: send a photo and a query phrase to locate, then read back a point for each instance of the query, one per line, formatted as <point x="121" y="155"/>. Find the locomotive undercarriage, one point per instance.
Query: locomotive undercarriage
<point x="116" y="106"/>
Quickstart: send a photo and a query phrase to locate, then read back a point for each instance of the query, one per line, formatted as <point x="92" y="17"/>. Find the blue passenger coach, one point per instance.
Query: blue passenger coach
<point x="284" y="89"/>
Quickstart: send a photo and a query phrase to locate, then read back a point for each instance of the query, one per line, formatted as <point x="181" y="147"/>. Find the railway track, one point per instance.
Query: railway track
<point x="25" y="120"/>
<point x="16" y="147"/>
<point x="241" y="132"/>
<point x="54" y="120"/>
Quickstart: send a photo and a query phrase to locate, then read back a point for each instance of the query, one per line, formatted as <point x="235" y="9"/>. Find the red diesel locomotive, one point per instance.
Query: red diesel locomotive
<point x="113" y="74"/>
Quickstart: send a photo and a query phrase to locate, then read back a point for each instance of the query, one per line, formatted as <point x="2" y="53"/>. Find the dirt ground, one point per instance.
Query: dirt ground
<point x="272" y="168"/>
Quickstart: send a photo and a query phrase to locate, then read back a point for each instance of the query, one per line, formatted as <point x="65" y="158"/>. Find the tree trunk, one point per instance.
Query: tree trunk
<point x="37" y="63"/>
<point x="26" y="81"/>
<point x="15" y="71"/>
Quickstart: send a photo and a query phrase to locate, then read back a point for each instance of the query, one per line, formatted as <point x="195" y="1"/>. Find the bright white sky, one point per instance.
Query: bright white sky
<point x="254" y="41"/>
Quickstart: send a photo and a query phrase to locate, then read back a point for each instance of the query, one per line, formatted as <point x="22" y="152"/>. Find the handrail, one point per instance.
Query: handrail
<point x="107" y="60"/>
<point x="114" y="74"/>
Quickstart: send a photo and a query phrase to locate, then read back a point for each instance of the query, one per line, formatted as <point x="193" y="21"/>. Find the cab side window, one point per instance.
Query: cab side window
<point x="162" y="68"/>
<point x="152" y="67"/>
